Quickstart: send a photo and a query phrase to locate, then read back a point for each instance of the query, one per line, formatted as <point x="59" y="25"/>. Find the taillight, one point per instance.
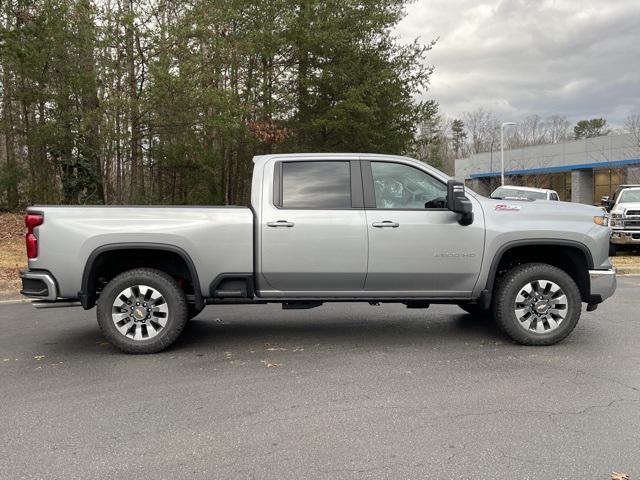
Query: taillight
<point x="31" y="221"/>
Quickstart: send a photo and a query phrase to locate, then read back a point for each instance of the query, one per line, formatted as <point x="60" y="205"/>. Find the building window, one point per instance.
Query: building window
<point x="605" y="182"/>
<point x="561" y="183"/>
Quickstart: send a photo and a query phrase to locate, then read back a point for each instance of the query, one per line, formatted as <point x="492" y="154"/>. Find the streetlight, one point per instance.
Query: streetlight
<point x="502" y="150"/>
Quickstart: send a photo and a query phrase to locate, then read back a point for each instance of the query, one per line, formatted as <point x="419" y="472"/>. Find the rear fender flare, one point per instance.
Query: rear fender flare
<point x="87" y="294"/>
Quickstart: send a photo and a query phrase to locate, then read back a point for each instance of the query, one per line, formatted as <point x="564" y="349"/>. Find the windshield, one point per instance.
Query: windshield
<point x="503" y="192"/>
<point x="628" y="196"/>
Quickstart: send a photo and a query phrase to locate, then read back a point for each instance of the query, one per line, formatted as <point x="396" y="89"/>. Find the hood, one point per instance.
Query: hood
<point x="623" y="207"/>
<point x="541" y="209"/>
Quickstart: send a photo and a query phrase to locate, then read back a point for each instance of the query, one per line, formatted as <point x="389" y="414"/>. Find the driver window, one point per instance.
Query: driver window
<point x="402" y="187"/>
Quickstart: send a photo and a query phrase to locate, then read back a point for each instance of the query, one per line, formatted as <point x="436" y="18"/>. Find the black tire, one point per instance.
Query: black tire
<point x="510" y="285"/>
<point x="192" y="311"/>
<point x="613" y="250"/>
<point x="475" y="310"/>
<point x="171" y="294"/>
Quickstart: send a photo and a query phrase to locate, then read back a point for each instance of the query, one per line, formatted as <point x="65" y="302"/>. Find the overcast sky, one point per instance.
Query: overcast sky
<point x="519" y="57"/>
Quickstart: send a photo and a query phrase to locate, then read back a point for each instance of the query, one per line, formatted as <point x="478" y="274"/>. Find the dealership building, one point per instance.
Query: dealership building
<point x="579" y="170"/>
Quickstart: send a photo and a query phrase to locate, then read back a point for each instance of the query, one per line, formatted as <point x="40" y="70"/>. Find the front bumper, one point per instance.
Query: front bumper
<point x="603" y="284"/>
<point x="625" y="237"/>
<point x="39" y="284"/>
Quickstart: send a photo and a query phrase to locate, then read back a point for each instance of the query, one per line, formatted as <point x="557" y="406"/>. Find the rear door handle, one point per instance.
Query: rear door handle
<point x="386" y="223"/>
<point x="280" y="223"/>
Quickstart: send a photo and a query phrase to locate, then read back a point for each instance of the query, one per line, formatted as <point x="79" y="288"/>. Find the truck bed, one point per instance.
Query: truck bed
<point x="217" y="239"/>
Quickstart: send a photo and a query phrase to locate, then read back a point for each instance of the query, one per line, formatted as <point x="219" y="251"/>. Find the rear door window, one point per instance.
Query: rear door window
<point x="316" y="185"/>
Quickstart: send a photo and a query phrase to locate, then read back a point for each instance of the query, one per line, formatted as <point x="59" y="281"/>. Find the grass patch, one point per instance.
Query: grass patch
<point x="629" y="264"/>
<point x="13" y="255"/>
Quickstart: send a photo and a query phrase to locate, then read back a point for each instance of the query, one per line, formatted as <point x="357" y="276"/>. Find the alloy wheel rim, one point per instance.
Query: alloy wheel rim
<point x="140" y="312"/>
<point x="541" y="306"/>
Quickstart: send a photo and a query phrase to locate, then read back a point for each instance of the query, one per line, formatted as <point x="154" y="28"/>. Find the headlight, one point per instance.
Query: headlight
<point x="601" y="220"/>
<point x="615" y="220"/>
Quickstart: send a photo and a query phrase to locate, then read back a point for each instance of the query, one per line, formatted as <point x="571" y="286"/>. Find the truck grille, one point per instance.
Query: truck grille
<point x="633" y="212"/>
<point x="632" y="223"/>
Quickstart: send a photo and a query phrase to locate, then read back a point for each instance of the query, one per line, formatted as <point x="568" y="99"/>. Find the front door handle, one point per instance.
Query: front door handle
<point x="386" y="223"/>
<point x="280" y="223"/>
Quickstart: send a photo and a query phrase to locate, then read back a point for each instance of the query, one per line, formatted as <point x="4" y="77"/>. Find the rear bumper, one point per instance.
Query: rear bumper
<point x="603" y="284"/>
<point x="39" y="284"/>
<point x="625" y="237"/>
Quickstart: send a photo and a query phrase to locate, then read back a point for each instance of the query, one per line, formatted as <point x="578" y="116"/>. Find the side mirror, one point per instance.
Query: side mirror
<point x="458" y="202"/>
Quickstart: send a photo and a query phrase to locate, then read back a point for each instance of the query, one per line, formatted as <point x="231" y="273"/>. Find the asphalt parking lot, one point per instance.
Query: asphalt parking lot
<point x="341" y="391"/>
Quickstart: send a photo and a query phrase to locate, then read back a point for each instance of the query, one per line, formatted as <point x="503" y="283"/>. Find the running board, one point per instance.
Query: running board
<point x="46" y="304"/>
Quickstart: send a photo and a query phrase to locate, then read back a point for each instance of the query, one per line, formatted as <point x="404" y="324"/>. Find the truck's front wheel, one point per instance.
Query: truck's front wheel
<point x="142" y="311"/>
<point x="537" y="304"/>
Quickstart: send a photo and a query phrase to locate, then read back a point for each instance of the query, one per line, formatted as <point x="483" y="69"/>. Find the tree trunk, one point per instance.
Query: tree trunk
<point x="9" y="131"/>
<point x="89" y="99"/>
<point x="137" y="183"/>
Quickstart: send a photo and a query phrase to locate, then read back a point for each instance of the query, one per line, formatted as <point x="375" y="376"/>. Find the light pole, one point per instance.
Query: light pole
<point x="491" y="165"/>
<point x="502" y="150"/>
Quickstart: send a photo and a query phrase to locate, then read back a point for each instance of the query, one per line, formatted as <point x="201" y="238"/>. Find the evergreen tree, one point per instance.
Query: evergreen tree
<point x="167" y="101"/>
<point x="594" y="127"/>
<point x="459" y="135"/>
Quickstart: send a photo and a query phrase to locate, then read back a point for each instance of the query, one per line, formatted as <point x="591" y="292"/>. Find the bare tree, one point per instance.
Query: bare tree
<point x="482" y="126"/>
<point x="632" y="125"/>
<point x="558" y="129"/>
<point x="534" y="130"/>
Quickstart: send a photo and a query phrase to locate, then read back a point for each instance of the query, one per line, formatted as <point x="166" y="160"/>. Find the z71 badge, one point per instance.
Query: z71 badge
<point x="507" y="208"/>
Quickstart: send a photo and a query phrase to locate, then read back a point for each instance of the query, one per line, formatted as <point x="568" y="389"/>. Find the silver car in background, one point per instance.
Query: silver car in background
<point x="512" y="192"/>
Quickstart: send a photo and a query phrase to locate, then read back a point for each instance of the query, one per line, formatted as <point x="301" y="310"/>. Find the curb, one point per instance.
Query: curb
<point x="8" y="301"/>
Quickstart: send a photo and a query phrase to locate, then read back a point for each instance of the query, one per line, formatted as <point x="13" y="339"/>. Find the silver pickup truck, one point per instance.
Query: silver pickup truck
<point x="325" y="228"/>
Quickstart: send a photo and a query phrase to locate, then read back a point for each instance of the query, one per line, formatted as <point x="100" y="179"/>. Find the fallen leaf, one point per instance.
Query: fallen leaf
<point x="270" y="365"/>
<point x="619" y="476"/>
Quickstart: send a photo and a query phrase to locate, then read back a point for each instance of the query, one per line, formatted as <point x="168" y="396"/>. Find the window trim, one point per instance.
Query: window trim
<point x="369" y="191"/>
<point x="356" y="190"/>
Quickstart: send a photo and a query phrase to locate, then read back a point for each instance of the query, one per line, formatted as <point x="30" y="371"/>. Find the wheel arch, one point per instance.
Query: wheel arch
<point x="88" y="292"/>
<point x="568" y="255"/>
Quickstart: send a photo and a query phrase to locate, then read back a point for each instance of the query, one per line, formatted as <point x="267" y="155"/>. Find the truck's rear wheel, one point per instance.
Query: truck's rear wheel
<point x="537" y="304"/>
<point x="142" y="311"/>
